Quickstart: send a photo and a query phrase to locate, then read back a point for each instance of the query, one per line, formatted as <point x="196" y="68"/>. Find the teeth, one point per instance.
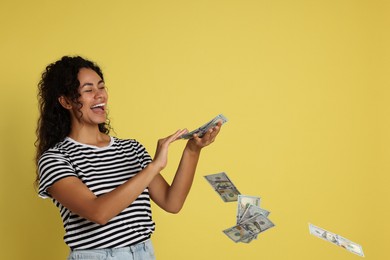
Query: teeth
<point x="99" y="105"/>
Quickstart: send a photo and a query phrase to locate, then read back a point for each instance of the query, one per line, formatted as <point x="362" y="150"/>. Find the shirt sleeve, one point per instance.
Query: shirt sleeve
<point x="142" y="154"/>
<point x="52" y="167"/>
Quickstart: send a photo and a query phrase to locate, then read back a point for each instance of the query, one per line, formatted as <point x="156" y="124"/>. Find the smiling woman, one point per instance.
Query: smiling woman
<point x="59" y="94"/>
<point x="101" y="184"/>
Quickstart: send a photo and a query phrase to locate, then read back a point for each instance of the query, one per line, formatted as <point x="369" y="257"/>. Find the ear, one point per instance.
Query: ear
<point x="65" y="103"/>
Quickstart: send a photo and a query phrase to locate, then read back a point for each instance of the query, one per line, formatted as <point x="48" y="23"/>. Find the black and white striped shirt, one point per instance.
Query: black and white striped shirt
<point x="102" y="170"/>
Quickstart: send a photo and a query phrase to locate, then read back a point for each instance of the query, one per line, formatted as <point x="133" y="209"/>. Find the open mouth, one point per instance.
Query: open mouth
<point x="98" y="107"/>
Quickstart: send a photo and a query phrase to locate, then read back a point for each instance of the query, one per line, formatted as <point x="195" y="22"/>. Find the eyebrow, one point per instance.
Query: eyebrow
<point x="91" y="84"/>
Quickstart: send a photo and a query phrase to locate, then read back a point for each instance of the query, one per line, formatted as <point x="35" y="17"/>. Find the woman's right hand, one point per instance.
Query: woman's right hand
<point x="161" y="156"/>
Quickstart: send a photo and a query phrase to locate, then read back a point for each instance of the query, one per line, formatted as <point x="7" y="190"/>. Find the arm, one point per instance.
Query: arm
<point x="73" y="194"/>
<point x="171" y="198"/>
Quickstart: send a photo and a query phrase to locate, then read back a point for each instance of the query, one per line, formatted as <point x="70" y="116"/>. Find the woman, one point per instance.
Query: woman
<point x="101" y="184"/>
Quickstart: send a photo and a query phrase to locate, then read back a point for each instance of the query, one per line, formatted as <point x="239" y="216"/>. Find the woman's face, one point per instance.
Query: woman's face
<point x="93" y="97"/>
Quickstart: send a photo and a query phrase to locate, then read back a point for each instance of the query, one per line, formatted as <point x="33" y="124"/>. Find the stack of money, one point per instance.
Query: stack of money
<point x="204" y="128"/>
<point x="251" y="219"/>
<point x="336" y="239"/>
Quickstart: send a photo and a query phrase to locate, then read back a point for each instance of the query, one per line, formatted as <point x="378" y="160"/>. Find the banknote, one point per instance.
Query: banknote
<point x="219" y="181"/>
<point x="253" y="210"/>
<point x="323" y="234"/>
<point x="243" y="202"/>
<point x="204" y="128"/>
<point x="336" y="239"/>
<point x="248" y="230"/>
<point x="228" y="195"/>
<point x="350" y="246"/>
<point x="257" y="224"/>
<point x="247" y="240"/>
<point x="223" y="186"/>
<point x="237" y="233"/>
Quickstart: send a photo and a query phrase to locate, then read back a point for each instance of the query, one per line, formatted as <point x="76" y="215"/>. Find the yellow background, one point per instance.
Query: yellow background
<point x="304" y="83"/>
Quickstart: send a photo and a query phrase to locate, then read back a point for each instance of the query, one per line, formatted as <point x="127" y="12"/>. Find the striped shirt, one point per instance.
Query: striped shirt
<point x="101" y="169"/>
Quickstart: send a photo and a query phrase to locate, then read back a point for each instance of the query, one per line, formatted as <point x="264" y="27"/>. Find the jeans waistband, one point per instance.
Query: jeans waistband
<point x="143" y="250"/>
<point x="132" y="248"/>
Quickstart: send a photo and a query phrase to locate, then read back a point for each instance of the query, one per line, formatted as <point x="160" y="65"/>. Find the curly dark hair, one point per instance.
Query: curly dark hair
<point x="60" y="79"/>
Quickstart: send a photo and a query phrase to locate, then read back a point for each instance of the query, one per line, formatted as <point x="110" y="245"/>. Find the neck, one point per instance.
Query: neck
<point x="90" y="136"/>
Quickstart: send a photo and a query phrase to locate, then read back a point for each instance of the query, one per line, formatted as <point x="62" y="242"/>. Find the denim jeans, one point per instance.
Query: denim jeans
<point x="141" y="251"/>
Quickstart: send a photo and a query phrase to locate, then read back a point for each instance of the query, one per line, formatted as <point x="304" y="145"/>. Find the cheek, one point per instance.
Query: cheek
<point x="84" y="100"/>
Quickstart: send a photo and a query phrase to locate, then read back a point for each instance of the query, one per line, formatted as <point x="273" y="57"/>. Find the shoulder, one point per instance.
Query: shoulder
<point x="55" y="151"/>
<point x="53" y="165"/>
<point x="132" y="146"/>
<point x="58" y="153"/>
<point x="127" y="142"/>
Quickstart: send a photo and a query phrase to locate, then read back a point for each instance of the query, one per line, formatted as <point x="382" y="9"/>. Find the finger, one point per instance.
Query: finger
<point x="211" y="135"/>
<point x="218" y="125"/>
<point x="178" y="134"/>
<point x="212" y="132"/>
<point x="216" y="129"/>
<point x="170" y="138"/>
<point x="197" y="139"/>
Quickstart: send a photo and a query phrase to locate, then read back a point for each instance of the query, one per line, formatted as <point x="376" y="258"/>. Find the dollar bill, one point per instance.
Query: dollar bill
<point x="248" y="240"/>
<point x="336" y="239"/>
<point x="219" y="181"/>
<point x="253" y="210"/>
<point x="243" y="202"/>
<point x="350" y="246"/>
<point x="250" y="212"/>
<point x="228" y="195"/>
<point x="323" y="234"/>
<point x="237" y="233"/>
<point x="204" y="128"/>
<point x="257" y="224"/>
<point x="247" y="230"/>
<point x="223" y="186"/>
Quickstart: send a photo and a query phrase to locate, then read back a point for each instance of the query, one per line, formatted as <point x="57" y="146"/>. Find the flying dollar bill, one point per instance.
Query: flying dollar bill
<point x="223" y="186"/>
<point x="237" y="233"/>
<point x="204" y="128"/>
<point x="350" y="246"/>
<point x="243" y="202"/>
<point x="257" y="224"/>
<point x="323" y="234"/>
<point x="253" y="210"/>
<point x="336" y="239"/>
<point x="249" y="229"/>
<point x="250" y="212"/>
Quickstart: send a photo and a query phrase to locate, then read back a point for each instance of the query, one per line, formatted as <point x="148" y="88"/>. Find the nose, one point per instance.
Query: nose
<point x="99" y="93"/>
